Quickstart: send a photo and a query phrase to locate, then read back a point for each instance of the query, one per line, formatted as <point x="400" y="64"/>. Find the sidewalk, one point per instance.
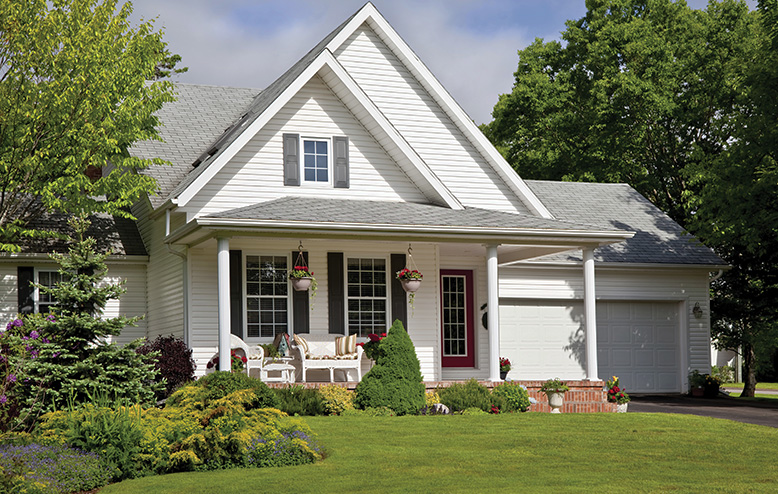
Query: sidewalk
<point x="758" y="391"/>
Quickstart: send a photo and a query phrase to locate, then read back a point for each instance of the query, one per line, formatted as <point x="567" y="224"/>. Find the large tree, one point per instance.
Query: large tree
<point x="74" y="96"/>
<point x="663" y="97"/>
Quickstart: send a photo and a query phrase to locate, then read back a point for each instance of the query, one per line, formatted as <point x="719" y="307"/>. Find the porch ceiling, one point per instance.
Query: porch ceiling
<point x="338" y="218"/>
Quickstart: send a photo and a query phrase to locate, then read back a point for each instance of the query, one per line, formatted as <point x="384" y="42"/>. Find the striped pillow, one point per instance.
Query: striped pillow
<point x="300" y="341"/>
<point x="346" y="345"/>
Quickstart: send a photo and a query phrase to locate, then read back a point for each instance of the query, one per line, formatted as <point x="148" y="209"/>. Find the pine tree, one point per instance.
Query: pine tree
<point x="75" y="364"/>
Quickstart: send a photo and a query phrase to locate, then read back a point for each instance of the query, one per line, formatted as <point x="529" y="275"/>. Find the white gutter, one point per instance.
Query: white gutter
<point x="182" y="255"/>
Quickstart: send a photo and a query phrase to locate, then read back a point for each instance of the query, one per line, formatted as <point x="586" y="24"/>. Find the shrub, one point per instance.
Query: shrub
<point x="200" y="394"/>
<point x="514" y="397"/>
<point x="298" y="400"/>
<point x="379" y="412"/>
<point x="459" y="397"/>
<point x="725" y="373"/>
<point x="173" y="359"/>
<point x="36" y="468"/>
<point x="395" y="380"/>
<point x="336" y="399"/>
<point x="473" y="411"/>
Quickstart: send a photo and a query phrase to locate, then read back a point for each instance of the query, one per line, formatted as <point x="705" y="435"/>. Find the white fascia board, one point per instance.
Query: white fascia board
<point x="582" y="236"/>
<point x="529" y="264"/>
<point x="325" y="59"/>
<point x="442" y="96"/>
<point x="445" y="196"/>
<point x="15" y="257"/>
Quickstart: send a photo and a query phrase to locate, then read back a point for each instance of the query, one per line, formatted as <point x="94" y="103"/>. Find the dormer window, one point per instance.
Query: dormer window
<point x="324" y="161"/>
<point x="316" y="160"/>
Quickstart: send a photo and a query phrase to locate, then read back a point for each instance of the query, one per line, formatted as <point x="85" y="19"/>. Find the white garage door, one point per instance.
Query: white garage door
<point x="639" y="342"/>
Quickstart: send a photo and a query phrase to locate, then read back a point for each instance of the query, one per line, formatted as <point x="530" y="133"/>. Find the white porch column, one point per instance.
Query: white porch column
<point x="493" y="300"/>
<point x="590" y="314"/>
<point x="223" y="289"/>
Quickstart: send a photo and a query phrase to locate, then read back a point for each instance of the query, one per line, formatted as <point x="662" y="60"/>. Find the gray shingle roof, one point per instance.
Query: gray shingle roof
<point x="189" y="127"/>
<point x="250" y="112"/>
<point x="658" y="239"/>
<point x="118" y="235"/>
<point x="340" y="211"/>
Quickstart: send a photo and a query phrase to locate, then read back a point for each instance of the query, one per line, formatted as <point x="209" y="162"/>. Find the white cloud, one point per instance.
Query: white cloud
<point x="249" y="44"/>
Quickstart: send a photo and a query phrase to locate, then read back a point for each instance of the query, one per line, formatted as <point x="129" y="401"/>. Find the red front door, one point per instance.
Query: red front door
<point x="458" y="327"/>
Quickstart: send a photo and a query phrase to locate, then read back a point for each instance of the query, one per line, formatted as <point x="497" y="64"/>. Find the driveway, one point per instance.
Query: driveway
<point x="759" y="413"/>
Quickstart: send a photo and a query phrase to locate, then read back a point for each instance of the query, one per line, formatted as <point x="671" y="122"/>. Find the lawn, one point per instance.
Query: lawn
<point x="758" y="385"/>
<point x="530" y="452"/>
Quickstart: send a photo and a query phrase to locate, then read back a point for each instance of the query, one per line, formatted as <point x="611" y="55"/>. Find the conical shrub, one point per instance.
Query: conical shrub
<point x="395" y="380"/>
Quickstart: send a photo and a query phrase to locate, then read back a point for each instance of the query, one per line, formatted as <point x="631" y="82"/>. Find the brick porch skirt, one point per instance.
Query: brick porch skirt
<point x="583" y="397"/>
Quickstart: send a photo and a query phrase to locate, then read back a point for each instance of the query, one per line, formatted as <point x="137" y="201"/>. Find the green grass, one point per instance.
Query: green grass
<point x="531" y="452"/>
<point x="757" y="397"/>
<point x="758" y="385"/>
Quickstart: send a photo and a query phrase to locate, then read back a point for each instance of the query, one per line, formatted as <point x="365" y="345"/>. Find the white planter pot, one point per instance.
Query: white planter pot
<point x="411" y="286"/>
<point x="621" y="407"/>
<point x="301" y="284"/>
<point x="555" y="401"/>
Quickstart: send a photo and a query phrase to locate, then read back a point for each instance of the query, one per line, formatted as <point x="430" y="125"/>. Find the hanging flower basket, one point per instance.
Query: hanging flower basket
<point x="302" y="280"/>
<point x="411" y="286"/>
<point x="301" y="284"/>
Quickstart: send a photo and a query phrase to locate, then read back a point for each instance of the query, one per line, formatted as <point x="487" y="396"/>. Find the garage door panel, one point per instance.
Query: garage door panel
<point x="653" y="365"/>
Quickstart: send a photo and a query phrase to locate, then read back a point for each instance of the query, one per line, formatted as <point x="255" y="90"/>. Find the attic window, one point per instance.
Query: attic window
<point x="316" y="160"/>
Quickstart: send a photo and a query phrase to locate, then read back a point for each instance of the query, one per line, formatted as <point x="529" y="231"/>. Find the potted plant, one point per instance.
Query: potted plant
<point x="555" y="391"/>
<point x="302" y="279"/>
<point x="696" y="383"/>
<point x="411" y="281"/>
<point x="371" y="346"/>
<point x="505" y="366"/>
<point x="617" y="395"/>
<point x="710" y="388"/>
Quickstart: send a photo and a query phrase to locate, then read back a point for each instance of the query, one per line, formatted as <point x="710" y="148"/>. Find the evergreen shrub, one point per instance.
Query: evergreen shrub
<point x="514" y="397"/>
<point x="200" y="394"/>
<point x="336" y="398"/>
<point x="395" y="380"/>
<point x="459" y="397"/>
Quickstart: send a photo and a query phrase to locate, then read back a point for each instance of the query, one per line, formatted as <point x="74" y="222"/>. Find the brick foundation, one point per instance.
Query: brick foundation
<point x="583" y="397"/>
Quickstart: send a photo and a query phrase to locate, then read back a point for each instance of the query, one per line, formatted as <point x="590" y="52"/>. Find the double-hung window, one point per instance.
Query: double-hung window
<point x="316" y="160"/>
<point x="44" y="301"/>
<point x="366" y="292"/>
<point x="267" y="296"/>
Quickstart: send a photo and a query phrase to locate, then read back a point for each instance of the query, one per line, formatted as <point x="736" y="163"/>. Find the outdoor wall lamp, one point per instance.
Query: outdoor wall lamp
<point x="697" y="311"/>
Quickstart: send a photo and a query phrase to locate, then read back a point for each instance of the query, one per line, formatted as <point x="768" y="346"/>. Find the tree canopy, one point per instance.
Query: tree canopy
<point x="681" y="104"/>
<point x="74" y="96"/>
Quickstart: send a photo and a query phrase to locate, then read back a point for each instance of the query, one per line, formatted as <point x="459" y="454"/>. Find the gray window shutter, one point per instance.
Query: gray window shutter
<point x="336" y="292"/>
<point x="340" y="160"/>
<point x="399" y="300"/>
<point x="25" y="277"/>
<point x="301" y="303"/>
<point x="291" y="159"/>
<point x="236" y="293"/>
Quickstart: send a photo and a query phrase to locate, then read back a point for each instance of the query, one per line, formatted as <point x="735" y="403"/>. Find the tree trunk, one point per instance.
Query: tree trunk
<point x="749" y="376"/>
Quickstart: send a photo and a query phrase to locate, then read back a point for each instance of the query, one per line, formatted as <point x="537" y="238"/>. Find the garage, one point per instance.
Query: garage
<point x="637" y="341"/>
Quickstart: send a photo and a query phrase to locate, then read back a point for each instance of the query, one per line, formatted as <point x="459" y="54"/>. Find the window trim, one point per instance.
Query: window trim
<point x="36" y="295"/>
<point x="289" y="311"/>
<point x="330" y="167"/>
<point x="346" y="298"/>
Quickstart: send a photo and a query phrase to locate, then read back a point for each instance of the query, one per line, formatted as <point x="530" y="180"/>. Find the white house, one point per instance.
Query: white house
<point x="359" y="154"/>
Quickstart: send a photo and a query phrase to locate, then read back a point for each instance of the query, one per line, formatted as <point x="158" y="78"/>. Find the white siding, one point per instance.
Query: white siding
<point x="682" y="285"/>
<point x="255" y="174"/>
<point x="9" y="299"/>
<point x="422" y="321"/>
<point x="132" y="303"/>
<point x="421" y="121"/>
<point x="165" y="297"/>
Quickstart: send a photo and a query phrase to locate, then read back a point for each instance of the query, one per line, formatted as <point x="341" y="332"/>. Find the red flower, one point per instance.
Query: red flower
<point x="616" y="389"/>
<point x="374" y="337"/>
<point x="361" y="344"/>
<point x="244" y="359"/>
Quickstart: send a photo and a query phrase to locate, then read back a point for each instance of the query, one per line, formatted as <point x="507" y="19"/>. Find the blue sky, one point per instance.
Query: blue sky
<point x="470" y="45"/>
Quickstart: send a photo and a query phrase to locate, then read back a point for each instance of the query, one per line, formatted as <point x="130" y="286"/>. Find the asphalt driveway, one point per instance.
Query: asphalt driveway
<point x="760" y="413"/>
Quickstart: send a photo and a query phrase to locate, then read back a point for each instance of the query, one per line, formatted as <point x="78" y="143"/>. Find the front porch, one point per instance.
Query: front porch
<point x="583" y="396"/>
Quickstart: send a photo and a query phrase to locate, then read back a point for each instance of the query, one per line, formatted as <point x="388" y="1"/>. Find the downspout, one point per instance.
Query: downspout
<point x="184" y="277"/>
<point x="717" y="276"/>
